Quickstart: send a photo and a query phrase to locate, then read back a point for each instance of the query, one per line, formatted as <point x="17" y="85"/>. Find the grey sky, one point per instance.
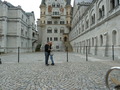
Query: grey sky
<point x="28" y="5"/>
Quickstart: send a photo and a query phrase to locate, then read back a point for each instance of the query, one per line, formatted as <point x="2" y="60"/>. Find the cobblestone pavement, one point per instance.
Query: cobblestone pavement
<point x="32" y="74"/>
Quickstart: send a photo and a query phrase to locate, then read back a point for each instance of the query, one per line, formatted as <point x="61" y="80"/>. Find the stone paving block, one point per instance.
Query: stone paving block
<point x="32" y="74"/>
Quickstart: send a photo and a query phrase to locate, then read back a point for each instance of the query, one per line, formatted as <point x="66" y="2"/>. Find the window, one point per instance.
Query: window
<point x="101" y="40"/>
<point x="100" y="13"/>
<point x="103" y="10"/>
<point x="53" y="5"/>
<point x="55" y="30"/>
<point x="93" y="19"/>
<point x="118" y="1"/>
<point x="82" y="27"/>
<point x="57" y="47"/>
<point x="114" y="37"/>
<point x="60" y="38"/>
<point x="79" y="30"/>
<point x="22" y="16"/>
<point x="87" y="24"/>
<point x="0" y="30"/>
<point x="26" y="33"/>
<point x="112" y="4"/>
<point x="33" y="34"/>
<point x="55" y="39"/>
<point x="47" y="39"/>
<point x="92" y="41"/>
<point x="55" y="22"/>
<point x="55" y="13"/>
<point x="49" y="31"/>
<point x="22" y="33"/>
<point x="50" y="38"/>
<point x="49" y="22"/>
<point x="62" y="22"/>
<point x="62" y="30"/>
<point x="58" y="5"/>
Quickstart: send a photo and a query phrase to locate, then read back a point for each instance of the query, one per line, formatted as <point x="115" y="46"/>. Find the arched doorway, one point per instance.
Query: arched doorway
<point x="65" y="39"/>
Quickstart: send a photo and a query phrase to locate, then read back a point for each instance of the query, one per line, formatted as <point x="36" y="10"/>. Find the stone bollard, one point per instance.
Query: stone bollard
<point x="0" y="61"/>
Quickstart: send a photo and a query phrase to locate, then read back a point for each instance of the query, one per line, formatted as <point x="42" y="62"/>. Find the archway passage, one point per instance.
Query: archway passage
<point x="65" y="39"/>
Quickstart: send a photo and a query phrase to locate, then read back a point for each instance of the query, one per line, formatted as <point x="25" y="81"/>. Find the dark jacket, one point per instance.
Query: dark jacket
<point x="47" y="48"/>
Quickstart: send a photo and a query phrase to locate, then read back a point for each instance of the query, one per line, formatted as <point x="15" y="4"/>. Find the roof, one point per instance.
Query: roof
<point x="43" y="2"/>
<point x="8" y="4"/>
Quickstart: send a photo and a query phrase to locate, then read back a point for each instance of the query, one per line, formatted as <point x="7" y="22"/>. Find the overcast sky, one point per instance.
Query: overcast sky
<point x="28" y="5"/>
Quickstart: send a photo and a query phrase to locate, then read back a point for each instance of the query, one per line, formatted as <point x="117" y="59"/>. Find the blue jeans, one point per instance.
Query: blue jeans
<point x="46" y="57"/>
<point x="51" y="57"/>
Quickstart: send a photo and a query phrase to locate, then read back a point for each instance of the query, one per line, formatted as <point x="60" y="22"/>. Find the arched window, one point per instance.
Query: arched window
<point x="33" y="34"/>
<point x="118" y="2"/>
<point x="53" y="5"/>
<point x="87" y="24"/>
<point x="49" y="30"/>
<point x="55" y="22"/>
<point x="58" y="5"/>
<point x="103" y="10"/>
<point x="92" y="41"/>
<point x="112" y="4"/>
<point x="101" y="40"/>
<point x="93" y="19"/>
<point x="82" y="27"/>
<point x="55" y="30"/>
<point x="114" y="37"/>
<point x="62" y="30"/>
<point x="100" y="13"/>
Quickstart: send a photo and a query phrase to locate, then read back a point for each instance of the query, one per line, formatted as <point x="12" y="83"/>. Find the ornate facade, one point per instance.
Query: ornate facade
<point x="55" y="22"/>
<point x="96" y="24"/>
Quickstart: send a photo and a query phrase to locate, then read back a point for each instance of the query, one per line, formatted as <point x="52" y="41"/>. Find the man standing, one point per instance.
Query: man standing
<point x="47" y="53"/>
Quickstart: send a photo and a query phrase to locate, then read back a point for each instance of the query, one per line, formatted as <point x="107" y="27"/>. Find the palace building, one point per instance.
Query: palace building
<point x="96" y="24"/>
<point x="17" y="29"/>
<point x="55" y="23"/>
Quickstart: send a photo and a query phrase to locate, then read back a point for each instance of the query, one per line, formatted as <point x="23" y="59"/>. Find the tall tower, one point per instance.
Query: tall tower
<point x="55" y="22"/>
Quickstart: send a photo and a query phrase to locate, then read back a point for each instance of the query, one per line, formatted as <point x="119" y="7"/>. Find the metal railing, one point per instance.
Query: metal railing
<point x="16" y="51"/>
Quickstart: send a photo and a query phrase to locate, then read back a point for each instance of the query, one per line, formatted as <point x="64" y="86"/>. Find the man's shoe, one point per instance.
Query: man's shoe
<point x="52" y="64"/>
<point x="47" y="64"/>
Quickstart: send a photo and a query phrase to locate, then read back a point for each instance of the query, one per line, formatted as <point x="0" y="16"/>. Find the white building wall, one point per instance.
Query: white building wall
<point x="16" y="28"/>
<point x="104" y="26"/>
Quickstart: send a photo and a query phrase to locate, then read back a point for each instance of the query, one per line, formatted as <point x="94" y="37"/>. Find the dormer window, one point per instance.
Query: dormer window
<point x="53" y="5"/>
<point x="58" y="5"/>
